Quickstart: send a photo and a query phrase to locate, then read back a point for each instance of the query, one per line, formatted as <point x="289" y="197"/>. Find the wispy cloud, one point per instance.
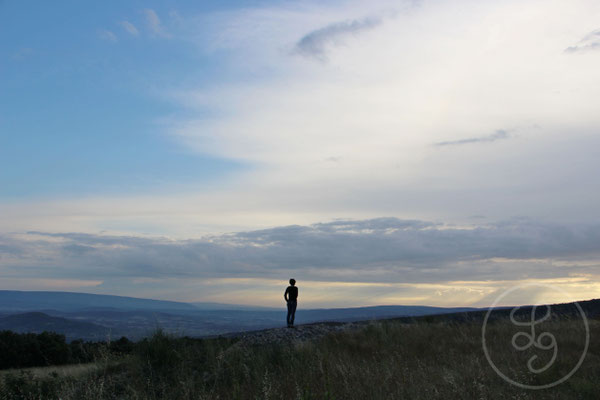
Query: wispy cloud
<point x="105" y="34"/>
<point x="22" y="53"/>
<point x="154" y="24"/>
<point x="316" y="43"/>
<point x="498" y="135"/>
<point x="590" y="42"/>
<point x="129" y="27"/>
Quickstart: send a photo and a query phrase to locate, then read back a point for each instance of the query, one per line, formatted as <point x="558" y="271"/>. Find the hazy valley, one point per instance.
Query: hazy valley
<point x="98" y="317"/>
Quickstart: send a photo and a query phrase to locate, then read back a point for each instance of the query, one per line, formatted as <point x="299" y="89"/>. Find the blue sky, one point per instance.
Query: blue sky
<point x="188" y="150"/>
<point x="79" y="108"/>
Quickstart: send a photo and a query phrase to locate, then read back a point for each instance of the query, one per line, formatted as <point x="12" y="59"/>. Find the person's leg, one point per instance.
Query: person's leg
<point x="293" y="311"/>
<point x="289" y="313"/>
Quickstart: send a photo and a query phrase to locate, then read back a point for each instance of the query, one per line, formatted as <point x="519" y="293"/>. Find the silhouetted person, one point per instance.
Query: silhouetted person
<point x="291" y="297"/>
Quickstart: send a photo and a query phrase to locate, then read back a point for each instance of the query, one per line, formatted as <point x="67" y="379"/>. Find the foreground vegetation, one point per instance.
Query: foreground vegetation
<point x="22" y="350"/>
<point x="383" y="360"/>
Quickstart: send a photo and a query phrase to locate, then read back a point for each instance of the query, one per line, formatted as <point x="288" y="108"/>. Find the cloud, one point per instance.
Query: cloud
<point x="107" y="35"/>
<point x="380" y="105"/>
<point x="377" y="106"/>
<point x="154" y="24"/>
<point x="373" y="261"/>
<point x="316" y="43"/>
<point x="376" y="250"/>
<point x="498" y="135"/>
<point x="590" y="42"/>
<point x="130" y="28"/>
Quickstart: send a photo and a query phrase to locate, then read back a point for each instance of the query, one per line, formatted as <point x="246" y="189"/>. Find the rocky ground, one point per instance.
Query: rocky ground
<point x="298" y="333"/>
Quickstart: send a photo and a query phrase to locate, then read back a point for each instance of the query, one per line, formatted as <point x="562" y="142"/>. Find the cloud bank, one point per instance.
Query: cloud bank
<point x="373" y="253"/>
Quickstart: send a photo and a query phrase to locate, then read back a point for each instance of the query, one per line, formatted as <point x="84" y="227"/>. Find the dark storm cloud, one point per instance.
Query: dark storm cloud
<point x="315" y="43"/>
<point x="376" y="249"/>
<point x="498" y="135"/>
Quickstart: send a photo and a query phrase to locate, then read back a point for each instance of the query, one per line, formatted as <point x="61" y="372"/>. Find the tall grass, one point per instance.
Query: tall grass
<point x="385" y="360"/>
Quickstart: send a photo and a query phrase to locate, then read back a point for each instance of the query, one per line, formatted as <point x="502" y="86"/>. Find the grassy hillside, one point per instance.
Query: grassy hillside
<point x="378" y="360"/>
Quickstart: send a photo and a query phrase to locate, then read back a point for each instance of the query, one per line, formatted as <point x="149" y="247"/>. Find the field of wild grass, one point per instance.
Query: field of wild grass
<point x="383" y="360"/>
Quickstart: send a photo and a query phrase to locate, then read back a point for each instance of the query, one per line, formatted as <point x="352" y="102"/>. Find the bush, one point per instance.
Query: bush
<point x="160" y="355"/>
<point x="32" y="350"/>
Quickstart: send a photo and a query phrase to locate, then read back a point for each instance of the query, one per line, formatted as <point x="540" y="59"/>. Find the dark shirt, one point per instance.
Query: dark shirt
<point x="292" y="293"/>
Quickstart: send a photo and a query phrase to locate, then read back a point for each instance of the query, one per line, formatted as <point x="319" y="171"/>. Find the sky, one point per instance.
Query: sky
<point x="428" y="152"/>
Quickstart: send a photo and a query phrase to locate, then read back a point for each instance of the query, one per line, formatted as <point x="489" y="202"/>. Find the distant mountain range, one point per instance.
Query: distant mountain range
<point x="223" y="306"/>
<point x="97" y="317"/>
<point x="15" y="300"/>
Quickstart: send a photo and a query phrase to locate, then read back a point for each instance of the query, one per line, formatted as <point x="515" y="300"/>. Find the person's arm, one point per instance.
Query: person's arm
<point x="285" y="295"/>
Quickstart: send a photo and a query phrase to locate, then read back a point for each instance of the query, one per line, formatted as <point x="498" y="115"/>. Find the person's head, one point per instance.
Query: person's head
<point x="292" y="281"/>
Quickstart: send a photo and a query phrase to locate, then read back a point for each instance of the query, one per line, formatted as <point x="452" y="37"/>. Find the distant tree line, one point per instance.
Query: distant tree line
<point x="23" y="350"/>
